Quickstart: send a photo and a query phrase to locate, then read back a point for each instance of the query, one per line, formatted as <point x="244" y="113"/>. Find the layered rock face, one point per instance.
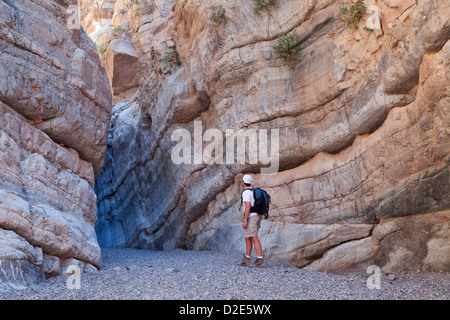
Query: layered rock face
<point x="55" y="108"/>
<point x="361" y="117"/>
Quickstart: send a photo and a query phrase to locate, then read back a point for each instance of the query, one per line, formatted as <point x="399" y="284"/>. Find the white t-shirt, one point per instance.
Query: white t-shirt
<point x="247" y="196"/>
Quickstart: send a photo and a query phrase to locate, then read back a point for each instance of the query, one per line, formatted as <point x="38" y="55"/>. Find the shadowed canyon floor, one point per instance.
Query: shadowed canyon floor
<point x="178" y="274"/>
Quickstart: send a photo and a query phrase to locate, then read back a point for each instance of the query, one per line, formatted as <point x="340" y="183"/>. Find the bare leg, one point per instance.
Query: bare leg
<point x="258" y="247"/>
<point x="248" y="245"/>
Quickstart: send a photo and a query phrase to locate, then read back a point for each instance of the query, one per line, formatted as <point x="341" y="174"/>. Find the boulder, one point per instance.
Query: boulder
<point x="121" y="62"/>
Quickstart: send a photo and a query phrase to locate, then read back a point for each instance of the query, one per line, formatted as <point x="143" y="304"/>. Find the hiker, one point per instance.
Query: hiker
<point x="251" y="224"/>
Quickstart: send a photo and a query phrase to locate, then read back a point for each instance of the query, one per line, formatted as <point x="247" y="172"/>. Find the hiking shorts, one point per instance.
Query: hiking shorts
<point x="253" y="224"/>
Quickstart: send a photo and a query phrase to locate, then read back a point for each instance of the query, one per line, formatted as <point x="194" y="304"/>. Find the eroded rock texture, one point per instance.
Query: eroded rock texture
<point x="363" y="120"/>
<point x="55" y="108"/>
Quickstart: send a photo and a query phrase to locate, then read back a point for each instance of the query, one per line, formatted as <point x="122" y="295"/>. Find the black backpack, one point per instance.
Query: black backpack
<point x="262" y="202"/>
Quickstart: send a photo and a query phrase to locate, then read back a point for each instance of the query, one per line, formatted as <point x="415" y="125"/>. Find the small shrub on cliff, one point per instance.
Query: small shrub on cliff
<point x="101" y="49"/>
<point x="172" y="59"/>
<point x="287" y="46"/>
<point x="354" y="14"/>
<point x="138" y="5"/>
<point x="133" y="3"/>
<point x="217" y="14"/>
<point x="263" y="4"/>
<point x="120" y="32"/>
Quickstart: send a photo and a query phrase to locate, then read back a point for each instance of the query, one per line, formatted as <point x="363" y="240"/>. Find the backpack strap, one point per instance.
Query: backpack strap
<point x="241" y="195"/>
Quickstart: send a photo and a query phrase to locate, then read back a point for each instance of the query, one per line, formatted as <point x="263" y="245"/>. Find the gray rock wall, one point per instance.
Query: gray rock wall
<point x="55" y="108"/>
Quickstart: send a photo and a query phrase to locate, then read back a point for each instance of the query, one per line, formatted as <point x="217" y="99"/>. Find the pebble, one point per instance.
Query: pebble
<point x="131" y="274"/>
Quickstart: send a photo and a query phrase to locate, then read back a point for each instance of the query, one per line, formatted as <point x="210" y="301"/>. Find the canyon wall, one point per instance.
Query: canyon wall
<point x="55" y="109"/>
<point x="361" y="116"/>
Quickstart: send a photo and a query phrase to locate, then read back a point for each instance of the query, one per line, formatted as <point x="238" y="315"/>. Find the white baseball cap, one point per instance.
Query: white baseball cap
<point x="247" y="179"/>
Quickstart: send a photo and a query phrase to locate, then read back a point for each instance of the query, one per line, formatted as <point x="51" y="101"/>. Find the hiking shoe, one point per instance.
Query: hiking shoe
<point x="245" y="262"/>
<point x="259" y="263"/>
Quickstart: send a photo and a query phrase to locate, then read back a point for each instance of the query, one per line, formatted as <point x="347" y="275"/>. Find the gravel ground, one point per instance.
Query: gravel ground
<point x="140" y="274"/>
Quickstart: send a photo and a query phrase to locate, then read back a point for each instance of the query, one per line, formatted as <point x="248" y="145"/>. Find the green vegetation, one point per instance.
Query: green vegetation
<point x="263" y="4"/>
<point x="120" y="32"/>
<point x="287" y="46"/>
<point x="101" y="49"/>
<point x="217" y="14"/>
<point x="172" y="59"/>
<point x="133" y="3"/>
<point x="138" y="5"/>
<point x="354" y="14"/>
